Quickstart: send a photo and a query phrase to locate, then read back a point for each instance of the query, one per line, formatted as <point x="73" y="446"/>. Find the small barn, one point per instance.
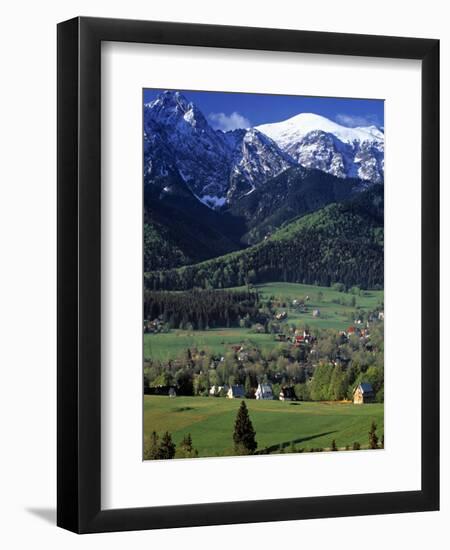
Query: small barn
<point x="287" y="394"/>
<point x="236" y="392"/>
<point x="264" y="391"/>
<point x="363" y="393"/>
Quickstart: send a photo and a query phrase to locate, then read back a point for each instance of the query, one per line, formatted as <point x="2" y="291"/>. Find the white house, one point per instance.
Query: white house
<point x="264" y="391"/>
<point x="236" y="392"/>
<point x="218" y="390"/>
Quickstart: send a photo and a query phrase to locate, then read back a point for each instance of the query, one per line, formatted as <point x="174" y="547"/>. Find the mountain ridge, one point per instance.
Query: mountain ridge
<point x="220" y="168"/>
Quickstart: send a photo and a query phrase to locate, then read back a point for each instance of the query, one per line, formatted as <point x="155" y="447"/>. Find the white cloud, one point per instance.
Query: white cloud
<point x="354" y="120"/>
<point x="221" y="121"/>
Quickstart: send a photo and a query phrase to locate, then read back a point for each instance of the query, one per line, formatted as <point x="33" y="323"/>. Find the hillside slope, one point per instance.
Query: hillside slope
<point x="339" y="243"/>
<point x="295" y="192"/>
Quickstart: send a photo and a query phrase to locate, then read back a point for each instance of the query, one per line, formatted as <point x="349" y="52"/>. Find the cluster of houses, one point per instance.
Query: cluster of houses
<point x="361" y="332"/>
<point x="302" y="337"/>
<point x="152" y="327"/>
<point x="363" y="393"/>
<point x="263" y="391"/>
<point x="298" y="339"/>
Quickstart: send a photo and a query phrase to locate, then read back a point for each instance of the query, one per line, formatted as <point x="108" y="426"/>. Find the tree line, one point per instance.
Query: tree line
<point x="203" y="309"/>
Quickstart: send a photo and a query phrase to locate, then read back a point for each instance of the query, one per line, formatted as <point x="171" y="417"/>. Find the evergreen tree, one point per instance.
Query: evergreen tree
<point x="333" y="445"/>
<point x="186" y="444"/>
<point x="166" y="447"/>
<point x="151" y="451"/>
<point x="244" y="434"/>
<point x="185" y="449"/>
<point x="356" y="446"/>
<point x="373" y="438"/>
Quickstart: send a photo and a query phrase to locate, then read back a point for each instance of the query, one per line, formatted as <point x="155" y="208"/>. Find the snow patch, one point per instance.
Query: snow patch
<point x="212" y="202"/>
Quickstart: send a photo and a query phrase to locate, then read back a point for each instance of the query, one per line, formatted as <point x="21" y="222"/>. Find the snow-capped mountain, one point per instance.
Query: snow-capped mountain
<point x="179" y="142"/>
<point x="180" y="147"/>
<point x="317" y="142"/>
<point x="216" y="166"/>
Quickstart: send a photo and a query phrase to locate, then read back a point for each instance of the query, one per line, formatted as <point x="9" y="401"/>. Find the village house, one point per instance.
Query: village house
<point x="264" y="391"/>
<point x="364" y="333"/>
<point x="316" y="313"/>
<point x="363" y="393"/>
<point x="298" y="340"/>
<point x="352" y="330"/>
<point x="216" y="391"/>
<point x="287" y="394"/>
<point x="281" y="316"/>
<point x="236" y="392"/>
<point x="151" y="327"/>
<point x="303" y="337"/>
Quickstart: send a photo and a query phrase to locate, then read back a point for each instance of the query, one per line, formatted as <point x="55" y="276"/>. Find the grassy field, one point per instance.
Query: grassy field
<point x="170" y="345"/>
<point x="210" y="422"/>
<point x="333" y="316"/>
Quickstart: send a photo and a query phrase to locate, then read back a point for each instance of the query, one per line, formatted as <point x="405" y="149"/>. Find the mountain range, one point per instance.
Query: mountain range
<point x="208" y="193"/>
<point x="220" y="168"/>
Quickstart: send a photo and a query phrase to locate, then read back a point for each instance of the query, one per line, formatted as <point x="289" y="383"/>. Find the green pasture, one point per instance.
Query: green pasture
<point x="332" y="315"/>
<point x="210" y="421"/>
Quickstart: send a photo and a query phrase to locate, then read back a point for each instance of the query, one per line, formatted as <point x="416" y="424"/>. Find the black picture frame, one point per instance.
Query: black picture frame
<point x="79" y="276"/>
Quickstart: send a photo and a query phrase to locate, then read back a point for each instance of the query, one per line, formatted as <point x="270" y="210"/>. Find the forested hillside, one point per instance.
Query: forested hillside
<point x="339" y="243"/>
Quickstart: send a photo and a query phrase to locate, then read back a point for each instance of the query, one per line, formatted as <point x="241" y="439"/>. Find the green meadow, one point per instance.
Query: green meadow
<point x="332" y="315"/>
<point x="278" y="424"/>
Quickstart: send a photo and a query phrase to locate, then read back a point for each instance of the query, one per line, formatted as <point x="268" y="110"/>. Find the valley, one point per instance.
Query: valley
<point x="263" y="282"/>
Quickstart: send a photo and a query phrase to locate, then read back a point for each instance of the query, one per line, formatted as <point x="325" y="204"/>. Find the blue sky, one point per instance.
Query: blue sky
<point x="227" y="111"/>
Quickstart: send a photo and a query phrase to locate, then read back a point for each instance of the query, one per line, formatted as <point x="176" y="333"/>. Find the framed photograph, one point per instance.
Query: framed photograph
<point x="248" y="275"/>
